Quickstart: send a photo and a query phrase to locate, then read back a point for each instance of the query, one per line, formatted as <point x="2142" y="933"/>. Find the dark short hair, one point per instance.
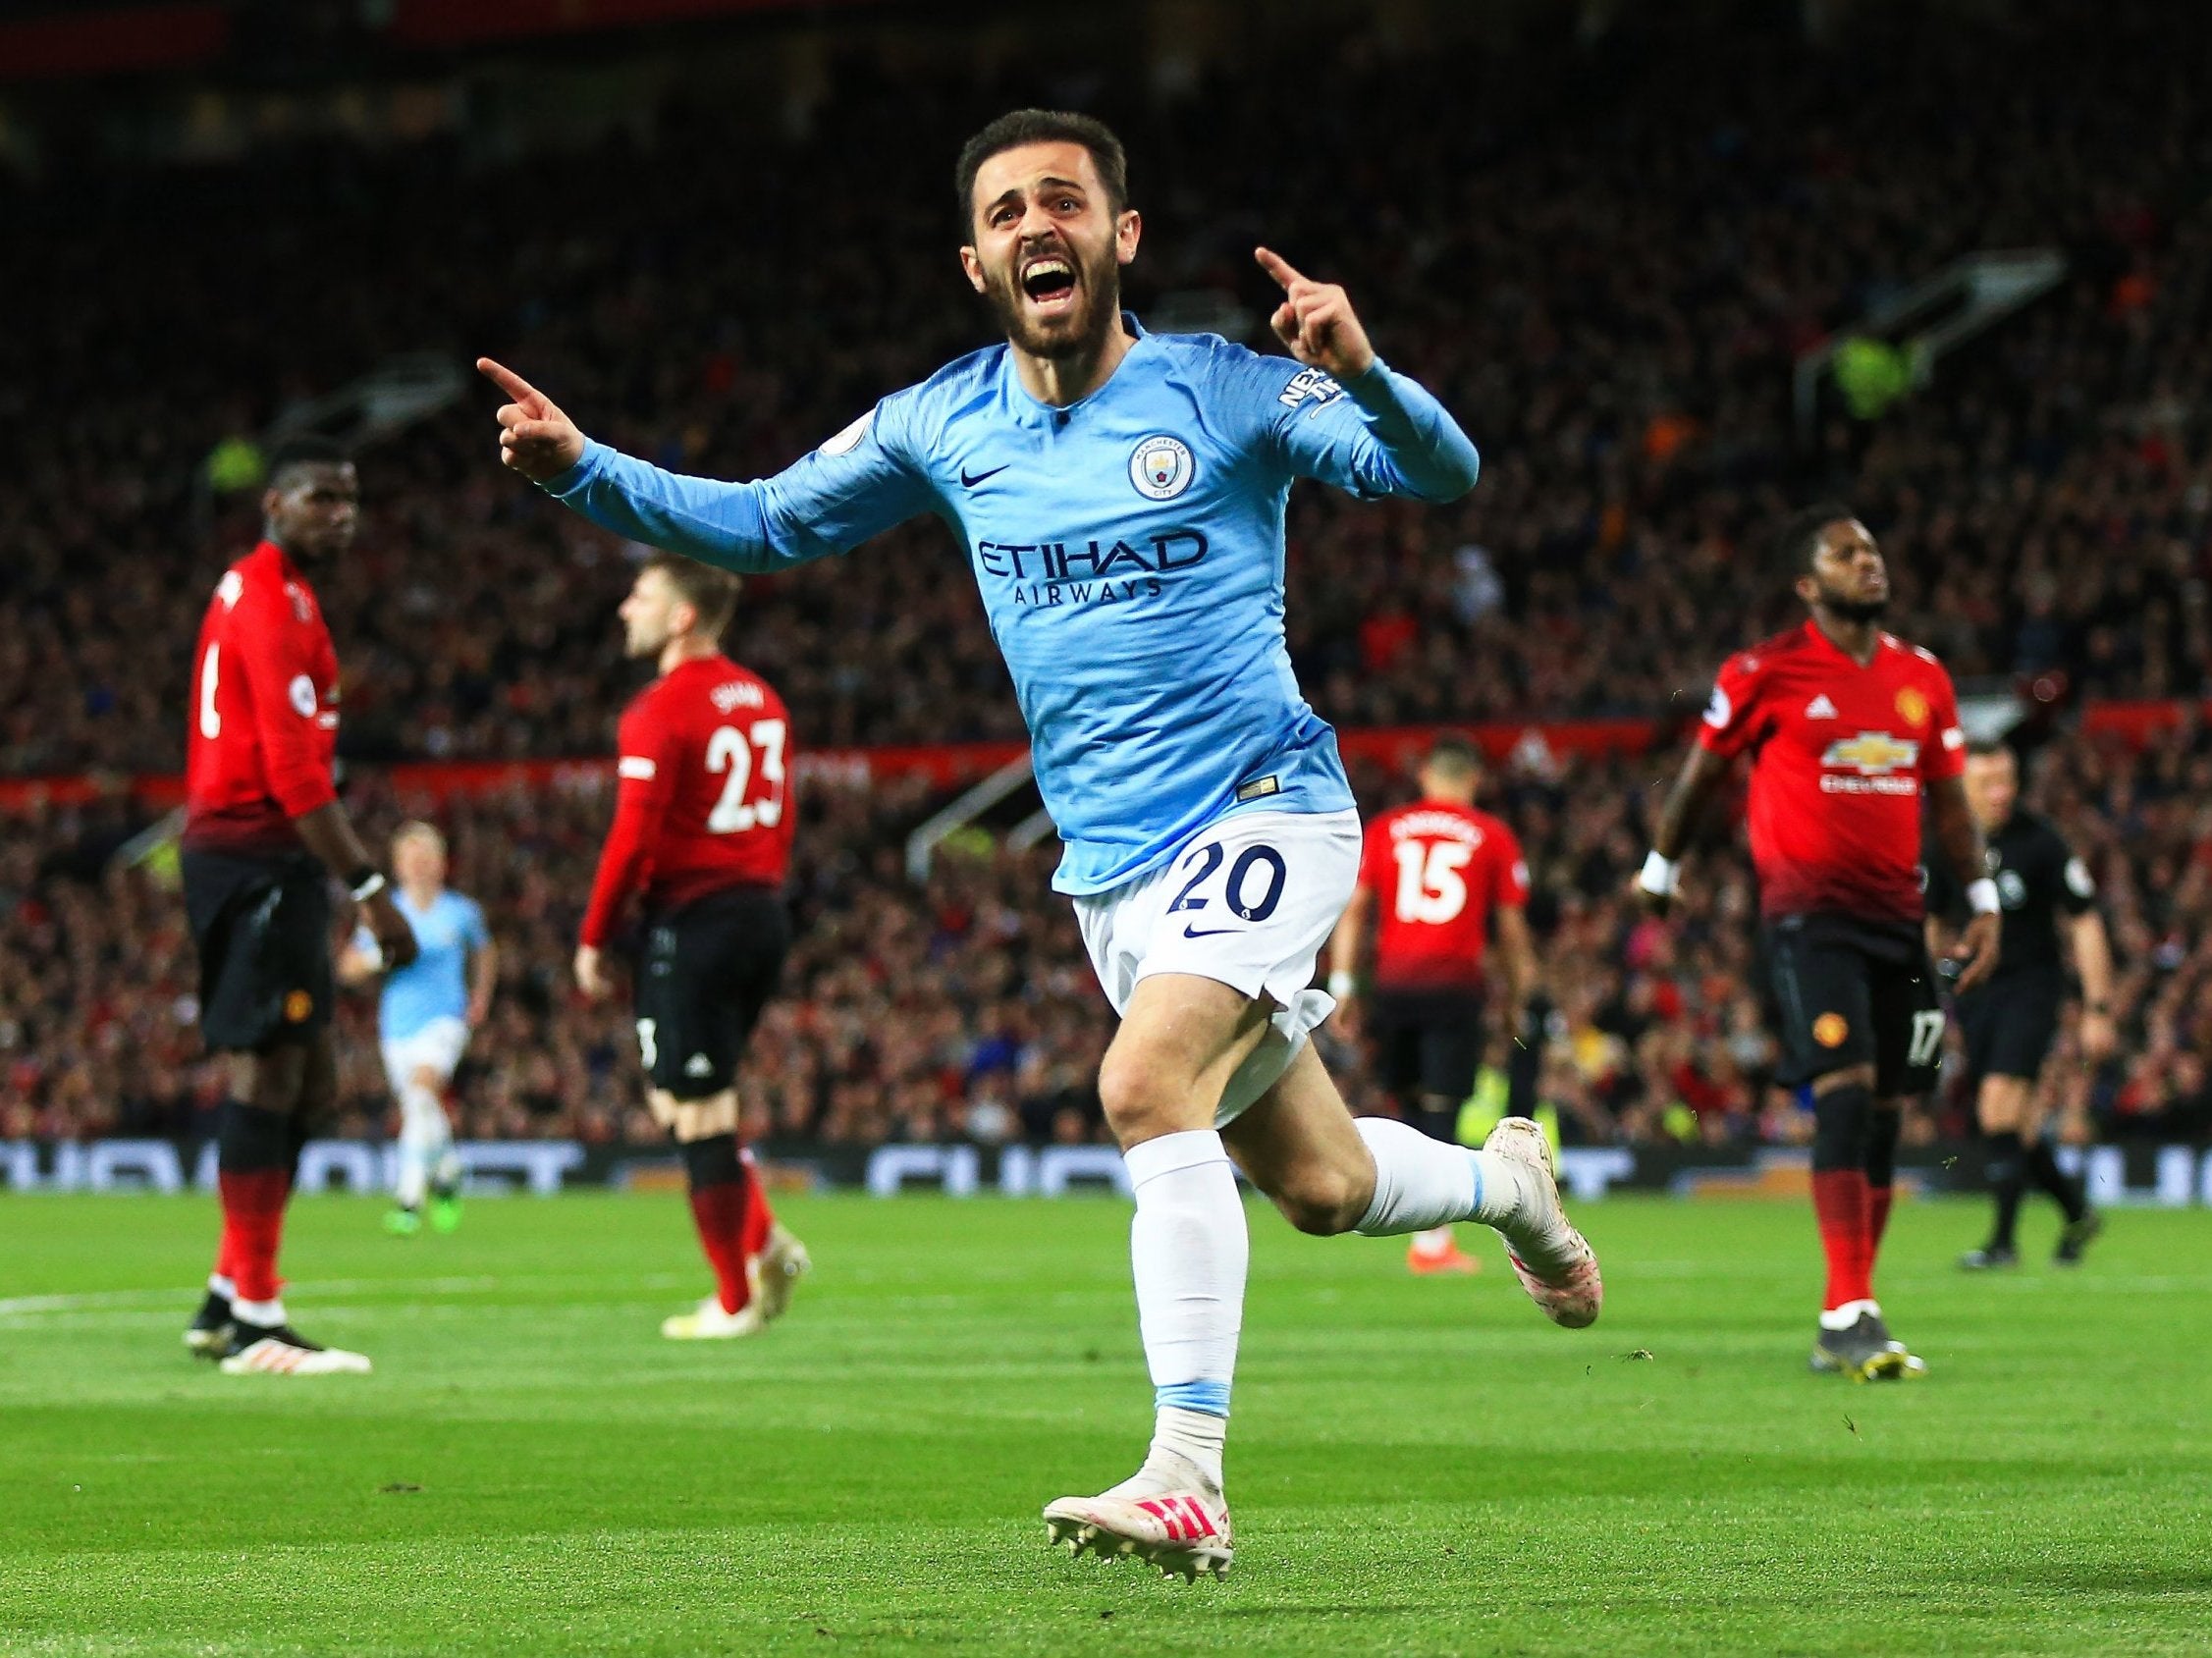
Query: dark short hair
<point x="1020" y="127"/>
<point x="309" y="449"/>
<point x="1985" y="748"/>
<point x="1454" y="752"/>
<point x="1799" y="537"/>
<point x="712" y="591"/>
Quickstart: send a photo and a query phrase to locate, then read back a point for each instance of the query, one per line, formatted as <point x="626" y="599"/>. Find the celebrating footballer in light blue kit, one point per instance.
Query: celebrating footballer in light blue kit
<point x="1120" y="498"/>
<point x="1129" y="549"/>
<point x="424" y="1017"/>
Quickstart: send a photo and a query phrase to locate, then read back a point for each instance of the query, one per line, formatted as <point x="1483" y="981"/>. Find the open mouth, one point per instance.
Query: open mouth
<point x="1048" y="281"/>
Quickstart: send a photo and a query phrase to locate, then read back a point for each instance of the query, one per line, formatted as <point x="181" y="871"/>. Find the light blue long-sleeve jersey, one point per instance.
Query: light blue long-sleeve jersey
<point x="1130" y="551"/>
<point x="435" y="985"/>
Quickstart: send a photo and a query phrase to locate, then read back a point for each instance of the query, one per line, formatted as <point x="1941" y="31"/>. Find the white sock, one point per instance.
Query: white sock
<point x="1185" y="1455"/>
<point x="424" y="1137"/>
<point x="1844" y="1316"/>
<point x="1188" y="1250"/>
<point x="264" y="1313"/>
<point x="1422" y="1183"/>
<point x="219" y="1285"/>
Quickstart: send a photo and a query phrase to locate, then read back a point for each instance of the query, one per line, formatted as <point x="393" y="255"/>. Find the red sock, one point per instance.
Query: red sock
<point x="1877" y="1222"/>
<point x="1845" y="1212"/>
<point x="719" y="1203"/>
<point x="252" y="1230"/>
<point x="759" y="1217"/>
<point x="719" y="1211"/>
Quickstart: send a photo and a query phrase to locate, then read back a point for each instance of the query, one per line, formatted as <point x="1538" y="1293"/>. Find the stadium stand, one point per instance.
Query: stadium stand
<point x="966" y="1009"/>
<point x="1620" y="352"/>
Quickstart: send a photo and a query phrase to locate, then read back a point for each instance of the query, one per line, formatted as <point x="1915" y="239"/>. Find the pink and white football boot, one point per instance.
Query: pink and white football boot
<point x="1553" y="1261"/>
<point x="1183" y="1533"/>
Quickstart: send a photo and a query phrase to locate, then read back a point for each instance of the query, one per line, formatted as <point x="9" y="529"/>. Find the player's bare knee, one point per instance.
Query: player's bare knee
<point x="1143" y="1099"/>
<point x="1322" y="1201"/>
<point x="2001" y="1106"/>
<point x="1319" y="1191"/>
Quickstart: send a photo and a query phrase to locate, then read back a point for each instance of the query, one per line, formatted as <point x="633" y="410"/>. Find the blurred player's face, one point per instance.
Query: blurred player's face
<point x="1847" y="575"/>
<point x="1992" y="785"/>
<point x="419" y="861"/>
<point x="311" y="510"/>
<point x="650" y="613"/>
<point x="1049" y="248"/>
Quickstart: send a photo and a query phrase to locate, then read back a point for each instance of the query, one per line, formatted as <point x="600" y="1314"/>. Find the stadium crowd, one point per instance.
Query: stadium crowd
<point x="966" y="1009"/>
<point x="1609" y="292"/>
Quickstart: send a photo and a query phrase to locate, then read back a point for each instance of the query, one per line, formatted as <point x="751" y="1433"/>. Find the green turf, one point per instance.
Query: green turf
<point x="1418" y="1467"/>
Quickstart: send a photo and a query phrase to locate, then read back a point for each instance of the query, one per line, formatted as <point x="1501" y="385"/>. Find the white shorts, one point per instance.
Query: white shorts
<point x="439" y="1044"/>
<point x="1249" y="903"/>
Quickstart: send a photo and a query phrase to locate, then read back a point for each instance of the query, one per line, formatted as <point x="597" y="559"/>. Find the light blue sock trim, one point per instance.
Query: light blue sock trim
<point x="1476" y="1163"/>
<point x="1209" y="1397"/>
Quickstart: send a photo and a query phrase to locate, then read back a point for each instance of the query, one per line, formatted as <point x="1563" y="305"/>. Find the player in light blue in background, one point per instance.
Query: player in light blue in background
<point x="1120" y="496"/>
<point x="423" y="1020"/>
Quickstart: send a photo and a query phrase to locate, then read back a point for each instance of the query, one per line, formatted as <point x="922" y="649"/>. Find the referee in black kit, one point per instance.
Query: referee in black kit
<point x="2008" y="1022"/>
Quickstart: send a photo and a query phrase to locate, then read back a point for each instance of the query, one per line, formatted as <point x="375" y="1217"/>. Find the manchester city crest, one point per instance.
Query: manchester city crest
<point x="1161" y="468"/>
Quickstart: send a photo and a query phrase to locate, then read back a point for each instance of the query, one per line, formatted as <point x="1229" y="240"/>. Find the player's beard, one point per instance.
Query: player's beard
<point x="1860" y="611"/>
<point x="1098" y="305"/>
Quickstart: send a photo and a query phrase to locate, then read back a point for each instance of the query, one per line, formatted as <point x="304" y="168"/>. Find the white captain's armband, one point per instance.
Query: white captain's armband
<point x="1982" y="896"/>
<point x="635" y="765"/>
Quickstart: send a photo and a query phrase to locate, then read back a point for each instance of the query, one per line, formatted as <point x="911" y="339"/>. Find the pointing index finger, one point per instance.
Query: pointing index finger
<point x="1277" y="266"/>
<point x="509" y="382"/>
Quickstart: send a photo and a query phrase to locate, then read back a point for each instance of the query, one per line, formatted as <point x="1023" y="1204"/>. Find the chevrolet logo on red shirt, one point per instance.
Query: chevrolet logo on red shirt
<point x="1871" y="754"/>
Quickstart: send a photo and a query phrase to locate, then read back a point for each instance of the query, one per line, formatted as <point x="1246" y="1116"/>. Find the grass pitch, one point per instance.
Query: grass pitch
<point x="1416" y="1467"/>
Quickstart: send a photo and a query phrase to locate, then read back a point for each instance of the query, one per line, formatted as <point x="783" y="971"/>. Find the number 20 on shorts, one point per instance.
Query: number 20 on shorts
<point x="1237" y="888"/>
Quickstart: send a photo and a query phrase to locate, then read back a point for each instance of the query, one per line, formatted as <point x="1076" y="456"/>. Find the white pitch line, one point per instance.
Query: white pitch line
<point x="123" y="1300"/>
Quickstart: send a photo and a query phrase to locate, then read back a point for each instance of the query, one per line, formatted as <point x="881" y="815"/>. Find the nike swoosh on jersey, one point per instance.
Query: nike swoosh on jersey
<point x="1210" y="933"/>
<point x="968" y="482"/>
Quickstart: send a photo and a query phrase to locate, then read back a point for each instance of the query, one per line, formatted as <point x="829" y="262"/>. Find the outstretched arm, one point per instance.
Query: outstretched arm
<point x="1404" y="442"/>
<point x="850" y="489"/>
